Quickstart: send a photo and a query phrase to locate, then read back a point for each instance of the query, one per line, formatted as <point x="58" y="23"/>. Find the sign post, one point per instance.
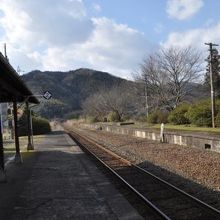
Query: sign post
<point x="47" y="95"/>
<point x="162" y="132"/>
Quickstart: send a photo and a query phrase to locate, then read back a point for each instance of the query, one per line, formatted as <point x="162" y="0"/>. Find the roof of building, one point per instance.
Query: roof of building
<point x="12" y="88"/>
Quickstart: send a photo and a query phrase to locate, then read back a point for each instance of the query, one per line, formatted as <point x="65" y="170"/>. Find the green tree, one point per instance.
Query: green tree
<point x="158" y="117"/>
<point x="178" y="115"/>
<point x="200" y="113"/>
<point x="53" y="108"/>
<point x="215" y="74"/>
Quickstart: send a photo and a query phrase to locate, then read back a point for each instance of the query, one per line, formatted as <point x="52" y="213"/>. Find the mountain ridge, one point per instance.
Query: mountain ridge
<point x="69" y="88"/>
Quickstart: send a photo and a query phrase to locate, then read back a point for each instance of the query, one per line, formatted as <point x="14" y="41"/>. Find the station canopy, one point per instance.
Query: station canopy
<point x="12" y="88"/>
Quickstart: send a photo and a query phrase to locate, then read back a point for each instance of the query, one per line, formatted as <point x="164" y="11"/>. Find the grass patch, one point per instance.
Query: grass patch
<point x="26" y="155"/>
<point x="184" y="128"/>
<point x="9" y="145"/>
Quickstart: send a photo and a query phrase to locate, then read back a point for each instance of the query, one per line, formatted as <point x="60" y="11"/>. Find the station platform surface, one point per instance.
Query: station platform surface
<point x="59" y="181"/>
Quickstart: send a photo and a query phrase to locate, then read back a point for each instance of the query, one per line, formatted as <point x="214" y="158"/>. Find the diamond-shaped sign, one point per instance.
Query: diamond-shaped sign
<point x="47" y="95"/>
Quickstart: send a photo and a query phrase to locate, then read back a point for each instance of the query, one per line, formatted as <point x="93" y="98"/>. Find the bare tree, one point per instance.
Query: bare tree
<point x="181" y="67"/>
<point x="118" y="99"/>
<point x="95" y="105"/>
<point x="155" y="81"/>
<point x="167" y="75"/>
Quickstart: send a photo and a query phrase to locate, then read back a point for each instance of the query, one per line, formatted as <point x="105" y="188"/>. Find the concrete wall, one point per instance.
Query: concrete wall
<point x="192" y="140"/>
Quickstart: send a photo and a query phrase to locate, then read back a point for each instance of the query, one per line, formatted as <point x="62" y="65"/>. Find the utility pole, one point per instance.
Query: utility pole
<point x="146" y="96"/>
<point x="5" y="51"/>
<point x="211" y="82"/>
<point x="19" y="70"/>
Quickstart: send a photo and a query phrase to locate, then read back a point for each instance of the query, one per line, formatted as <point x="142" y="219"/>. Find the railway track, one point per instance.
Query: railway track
<point x="166" y="200"/>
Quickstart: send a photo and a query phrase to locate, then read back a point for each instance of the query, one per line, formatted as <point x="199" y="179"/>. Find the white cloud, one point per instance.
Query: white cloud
<point x="59" y="35"/>
<point x="26" y="62"/>
<point x="112" y="47"/>
<point x="44" y="21"/>
<point x="97" y="7"/>
<point x="194" y="37"/>
<point x="183" y="9"/>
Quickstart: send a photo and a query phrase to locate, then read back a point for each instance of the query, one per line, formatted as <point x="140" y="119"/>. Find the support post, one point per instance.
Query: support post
<point x="18" y="158"/>
<point x="2" y="161"/>
<point x="29" y="125"/>
<point x="32" y="132"/>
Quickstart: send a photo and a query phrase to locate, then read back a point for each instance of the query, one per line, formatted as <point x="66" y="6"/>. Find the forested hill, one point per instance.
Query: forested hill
<point x="69" y="89"/>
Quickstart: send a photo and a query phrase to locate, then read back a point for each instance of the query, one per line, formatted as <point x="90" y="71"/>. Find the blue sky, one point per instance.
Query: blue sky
<point x="148" y="15"/>
<point x="107" y="35"/>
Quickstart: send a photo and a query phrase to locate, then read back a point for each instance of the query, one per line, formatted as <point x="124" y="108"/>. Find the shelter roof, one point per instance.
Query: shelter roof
<point x="12" y="88"/>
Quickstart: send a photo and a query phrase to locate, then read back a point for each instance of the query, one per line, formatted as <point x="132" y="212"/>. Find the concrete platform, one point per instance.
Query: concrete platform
<point x="60" y="182"/>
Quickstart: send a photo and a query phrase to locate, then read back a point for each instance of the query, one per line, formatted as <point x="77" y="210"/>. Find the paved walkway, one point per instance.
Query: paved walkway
<point x="58" y="181"/>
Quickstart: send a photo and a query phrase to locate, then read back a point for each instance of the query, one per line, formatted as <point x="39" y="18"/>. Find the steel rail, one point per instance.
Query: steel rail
<point x="148" y="202"/>
<point x="196" y="200"/>
<point x="200" y="202"/>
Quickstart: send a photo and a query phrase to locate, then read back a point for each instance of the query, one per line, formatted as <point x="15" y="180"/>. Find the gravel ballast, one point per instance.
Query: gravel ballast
<point x="194" y="170"/>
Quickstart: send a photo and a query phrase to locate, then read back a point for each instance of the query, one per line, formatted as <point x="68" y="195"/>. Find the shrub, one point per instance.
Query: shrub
<point x="40" y="126"/>
<point x="73" y="115"/>
<point x="141" y="118"/>
<point x="200" y="113"/>
<point x="91" y="119"/>
<point x="113" y="117"/>
<point x="127" y="117"/>
<point x="217" y="113"/>
<point x="152" y="118"/>
<point x="178" y="115"/>
<point x="157" y="117"/>
<point x="162" y="117"/>
<point x="217" y="119"/>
